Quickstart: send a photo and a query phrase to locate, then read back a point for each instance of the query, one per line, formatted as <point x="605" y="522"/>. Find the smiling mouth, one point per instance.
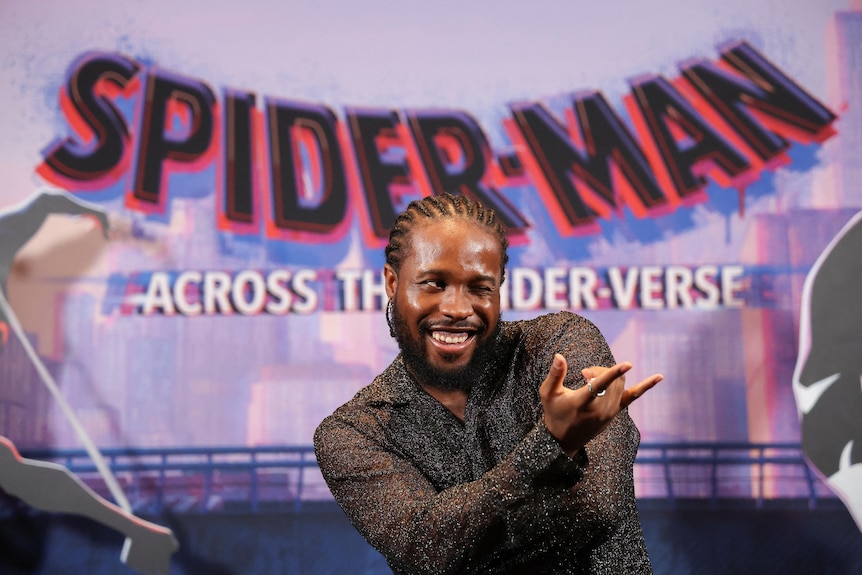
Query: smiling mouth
<point x="449" y="337"/>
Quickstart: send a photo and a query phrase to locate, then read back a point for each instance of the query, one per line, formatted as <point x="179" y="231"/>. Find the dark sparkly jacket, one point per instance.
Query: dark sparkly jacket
<point x="494" y="494"/>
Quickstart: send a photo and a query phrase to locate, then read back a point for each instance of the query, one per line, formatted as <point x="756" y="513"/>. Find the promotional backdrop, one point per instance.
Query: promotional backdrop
<point x="670" y="170"/>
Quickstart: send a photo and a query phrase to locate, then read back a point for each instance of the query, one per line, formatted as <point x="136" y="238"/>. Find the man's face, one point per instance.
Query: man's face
<point x="447" y="301"/>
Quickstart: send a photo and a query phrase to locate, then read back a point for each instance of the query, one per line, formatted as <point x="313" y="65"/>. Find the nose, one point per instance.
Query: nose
<point x="456" y="303"/>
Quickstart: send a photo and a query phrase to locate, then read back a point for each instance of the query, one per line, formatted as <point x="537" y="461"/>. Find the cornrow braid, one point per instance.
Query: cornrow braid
<point x="442" y="206"/>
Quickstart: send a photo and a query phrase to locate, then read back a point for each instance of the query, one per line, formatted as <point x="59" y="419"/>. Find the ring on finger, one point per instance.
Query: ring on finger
<point x="595" y="393"/>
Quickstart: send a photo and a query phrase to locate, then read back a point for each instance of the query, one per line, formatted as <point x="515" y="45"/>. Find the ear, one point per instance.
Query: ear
<point x="390" y="281"/>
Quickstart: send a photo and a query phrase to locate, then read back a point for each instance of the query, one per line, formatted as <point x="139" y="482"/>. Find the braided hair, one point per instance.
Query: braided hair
<point x="437" y="207"/>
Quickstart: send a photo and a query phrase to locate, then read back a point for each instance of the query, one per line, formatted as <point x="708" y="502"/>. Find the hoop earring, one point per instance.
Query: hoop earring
<point x="389" y="318"/>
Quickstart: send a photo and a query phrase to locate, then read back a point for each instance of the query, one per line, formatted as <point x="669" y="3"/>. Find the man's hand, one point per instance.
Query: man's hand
<point x="574" y="416"/>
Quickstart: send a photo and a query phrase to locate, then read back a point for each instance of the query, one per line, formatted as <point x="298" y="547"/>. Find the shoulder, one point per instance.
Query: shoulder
<point x="365" y="410"/>
<point x="552" y="326"/>
<point x="576" y="337"/>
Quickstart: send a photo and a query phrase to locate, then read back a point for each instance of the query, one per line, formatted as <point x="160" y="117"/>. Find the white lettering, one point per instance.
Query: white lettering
<point x="650" y="286"/>
<point x="306" y="293"/>
<point x="349" y="281"/>
<point x="217" y="293"/>
<point x="623" y="290"/>
<point x="181" y="288"/>
<point x="251" y="292"/>
<point x="677" y="286"/>
<point x="582" y="288"/>
<point x="276" y="285"/>
<point x="248" y="283"/>
<point x="731" y="282"/>
<point x="159" y="295"/>
<point x="526" y="289"/>
<point x="372" y="289"/>
<point x="555" y="286"/>
<point x="704" y="281"/>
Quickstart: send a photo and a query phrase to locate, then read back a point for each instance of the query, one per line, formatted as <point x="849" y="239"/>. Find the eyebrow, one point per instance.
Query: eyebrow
<point x="438" y="272"/>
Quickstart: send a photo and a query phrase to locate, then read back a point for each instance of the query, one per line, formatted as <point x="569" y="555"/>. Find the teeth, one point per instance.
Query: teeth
<point x="447" y="338"/>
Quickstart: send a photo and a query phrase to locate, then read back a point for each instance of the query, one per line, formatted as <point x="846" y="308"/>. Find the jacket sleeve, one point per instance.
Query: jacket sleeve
<point x="418" y="529"/>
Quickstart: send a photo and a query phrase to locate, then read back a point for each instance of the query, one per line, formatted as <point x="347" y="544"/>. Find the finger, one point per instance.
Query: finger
<point x="601" y="378"/>
<point x="553" y="384"/>
<point x="638" y="390"/>
<point x="593" y="389"/>
<point x="593" y="372"/>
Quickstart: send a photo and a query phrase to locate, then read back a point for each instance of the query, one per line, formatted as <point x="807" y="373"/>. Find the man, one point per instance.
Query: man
<point x="486" y="446"/>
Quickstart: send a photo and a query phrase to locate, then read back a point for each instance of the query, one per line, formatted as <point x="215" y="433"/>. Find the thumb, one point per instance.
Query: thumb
<point x="556" y="375"/>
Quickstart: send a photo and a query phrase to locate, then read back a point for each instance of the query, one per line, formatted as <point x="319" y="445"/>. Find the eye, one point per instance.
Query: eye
<point x="483" y="289"/>
<point x="437" y="284"/>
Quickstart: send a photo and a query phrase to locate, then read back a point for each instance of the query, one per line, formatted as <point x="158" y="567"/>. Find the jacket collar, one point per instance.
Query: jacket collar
<point x="395" y="386"/>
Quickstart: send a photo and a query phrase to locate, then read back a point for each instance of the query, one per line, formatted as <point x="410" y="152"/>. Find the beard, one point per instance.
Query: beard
<point x="415" y="356"/>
